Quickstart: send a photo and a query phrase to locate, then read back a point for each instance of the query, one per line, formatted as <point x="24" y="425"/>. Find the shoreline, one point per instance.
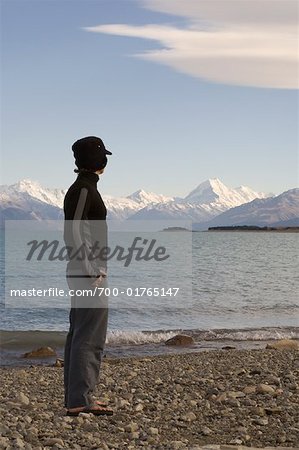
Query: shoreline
<point x="266" y="228"/>
<point x="14" y="358"/>
<point x="179" y="401"/>
<point x="121" y="344"/>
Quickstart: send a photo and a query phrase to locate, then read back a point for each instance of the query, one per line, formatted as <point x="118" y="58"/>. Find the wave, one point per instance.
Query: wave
<point x="32" y="338"/>
<point x="247" y="334"/>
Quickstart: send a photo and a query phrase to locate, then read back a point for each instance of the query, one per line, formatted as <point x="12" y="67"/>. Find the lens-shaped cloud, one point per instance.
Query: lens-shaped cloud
<point x="245" y="43"/>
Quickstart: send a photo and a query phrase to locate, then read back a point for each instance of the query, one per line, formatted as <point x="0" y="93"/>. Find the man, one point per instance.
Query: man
<point x="85" y="228"/>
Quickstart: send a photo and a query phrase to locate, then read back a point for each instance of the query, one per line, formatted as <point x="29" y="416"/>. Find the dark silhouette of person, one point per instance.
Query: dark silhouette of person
<point x="85" y="228"/>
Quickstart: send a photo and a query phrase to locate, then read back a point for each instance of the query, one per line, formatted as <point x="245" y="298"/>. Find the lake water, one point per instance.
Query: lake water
<point x="244" y="285"/>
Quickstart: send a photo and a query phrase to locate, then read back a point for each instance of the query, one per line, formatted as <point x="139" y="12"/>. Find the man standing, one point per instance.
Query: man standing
<point x="85" y="228"/>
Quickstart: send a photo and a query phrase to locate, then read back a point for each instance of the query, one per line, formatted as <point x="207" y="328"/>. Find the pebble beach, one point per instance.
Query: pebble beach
<point x="222" y="399"/>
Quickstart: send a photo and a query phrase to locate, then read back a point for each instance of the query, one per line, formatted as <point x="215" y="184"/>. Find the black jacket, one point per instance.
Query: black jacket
<point x="84" y="226"/>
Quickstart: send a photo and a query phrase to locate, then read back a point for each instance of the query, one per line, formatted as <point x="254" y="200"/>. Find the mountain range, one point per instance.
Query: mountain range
<point x="211" y="203"/>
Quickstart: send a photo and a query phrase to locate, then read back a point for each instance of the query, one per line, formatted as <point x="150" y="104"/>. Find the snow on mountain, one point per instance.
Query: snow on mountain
<point x="27" y="200"/>
<point x="213" y="191"/>
<point x="249" y="195"/>
<point x="209" y="199"/>
<point x="144" y="198"/>
<point x="119" y="207"/>
<point x="177" y="210"/>
<point x="280" y="210"/>
<point x="25" y="188"/>
<point x="206" y="201"/>
<point x="26" y="193"/>
<point x="124" y="207"/>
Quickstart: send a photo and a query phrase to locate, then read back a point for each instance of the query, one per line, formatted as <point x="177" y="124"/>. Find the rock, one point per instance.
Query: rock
<point x="18" y="443"/>
<point x="27" y="419"/>
<point x="4" y="442"/>
<point x="138" y="407"/>
<point x="22" y="398"/>
<point x="284" y="344"/>
<point x="85" y="415"/>
<point x="259" y="411"/>
<point x="222" y="397"/>
<point x="236" y="441"/>
<point x="122" y="402"/>
<point x="212" y="391"/>
<point x="235" y="394"/>
<point x="33" y="430"/>
<point x="233" y="402"/>
<point x="228" y="347"/>
<point x="273" y="410"/>
<point x="28" y="446"/>
<point x="167" y="389"/>
<point x="68" y="419"/>
<point x="180" y="339"/>
<point x="53" y="441"/>
<point x="153" y="431"/>
<point x="249" y="402"/>
<point x="131" y="427"/>
<point x="242" y="430"/>
<point x="272" y="379"/>
<point x="281" y="439"/>
<point x="58" y="363"/>
<point x="179" y="388"/>
<point x="261" y="421"/>
<point x="189" y="417"/>
<point x="176" y="445"/>
<point x="206" y="431"/>
<point x="134" y="435"/>
<point x="265" y="389"/>
<point x="3" y="429"/>
<point x="41" y="352"/>
<point x="246" y="437"/>
<point x="249" y="389"/>
<point x="133" y="374"/>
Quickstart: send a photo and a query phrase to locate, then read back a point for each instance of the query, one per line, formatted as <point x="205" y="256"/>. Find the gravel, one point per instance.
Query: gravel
<point x="224" y="399"/>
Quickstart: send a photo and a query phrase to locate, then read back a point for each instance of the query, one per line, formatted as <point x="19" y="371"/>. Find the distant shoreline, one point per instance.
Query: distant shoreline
<point x="238" y="228"/>
<point x="255" y="228"/>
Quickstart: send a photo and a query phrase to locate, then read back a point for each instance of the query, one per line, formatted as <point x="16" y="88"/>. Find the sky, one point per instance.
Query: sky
<point x="180" y="91"/>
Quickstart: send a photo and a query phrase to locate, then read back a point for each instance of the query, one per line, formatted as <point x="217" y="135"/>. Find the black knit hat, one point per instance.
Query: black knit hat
<point x="90" y="153"/>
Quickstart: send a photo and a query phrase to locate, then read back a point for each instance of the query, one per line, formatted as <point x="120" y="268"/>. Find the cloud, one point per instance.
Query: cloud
<point x="237" y="42"/>
<point x="235" y="12"/>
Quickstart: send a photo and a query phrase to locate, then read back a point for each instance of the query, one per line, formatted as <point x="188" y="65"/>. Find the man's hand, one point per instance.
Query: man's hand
<point x="98" y="281"/>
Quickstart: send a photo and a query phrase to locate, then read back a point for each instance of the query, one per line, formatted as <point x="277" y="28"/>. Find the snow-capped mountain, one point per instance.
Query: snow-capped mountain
<point x="125" y="207"/>
<point x="177" y="210"/>
<point x="207" y="200"/>
<point x="29" y="199"/>
<point x="25" y="188"/>
<point x="215" y="192"/>
<point x="281" y="210"/>
<point x="144" y="198"/>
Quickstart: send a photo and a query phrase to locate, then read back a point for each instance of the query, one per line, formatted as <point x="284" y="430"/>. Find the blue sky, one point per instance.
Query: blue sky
<point x="178" y="95"/>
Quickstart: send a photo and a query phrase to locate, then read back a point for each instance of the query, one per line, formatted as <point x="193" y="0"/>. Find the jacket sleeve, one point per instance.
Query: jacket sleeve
<point x="76" y="212"/>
